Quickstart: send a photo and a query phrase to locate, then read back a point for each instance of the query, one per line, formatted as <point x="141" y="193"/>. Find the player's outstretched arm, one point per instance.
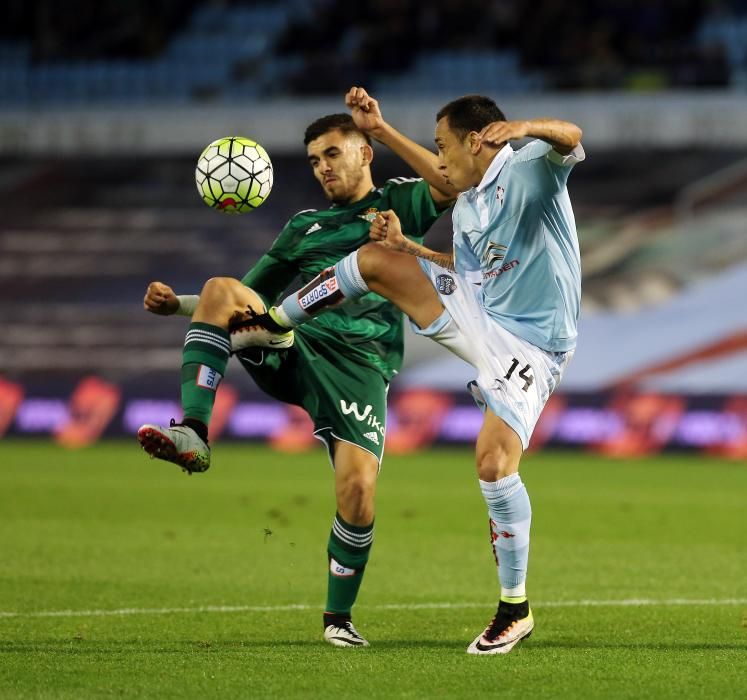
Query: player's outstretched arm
<point x="367" y="116"/>
<point x="562" y="136"/>
<point x="387" y="230"/>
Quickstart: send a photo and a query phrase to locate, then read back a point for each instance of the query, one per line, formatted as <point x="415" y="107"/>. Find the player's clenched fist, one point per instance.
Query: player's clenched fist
<point x="365" y="110"/>
<point x="160" y="299"/>
<point x="387" y="230"/>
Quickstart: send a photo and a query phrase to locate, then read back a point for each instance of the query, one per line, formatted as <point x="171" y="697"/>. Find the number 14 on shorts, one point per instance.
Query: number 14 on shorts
<point x="524" y="373"/>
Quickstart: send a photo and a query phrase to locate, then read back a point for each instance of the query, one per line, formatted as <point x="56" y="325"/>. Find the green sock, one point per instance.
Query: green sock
<point x="348" y="549"/>
<point x="204" y="360"/>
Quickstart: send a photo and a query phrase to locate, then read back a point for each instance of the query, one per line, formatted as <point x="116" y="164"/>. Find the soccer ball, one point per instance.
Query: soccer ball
<point x="234" y="175"/>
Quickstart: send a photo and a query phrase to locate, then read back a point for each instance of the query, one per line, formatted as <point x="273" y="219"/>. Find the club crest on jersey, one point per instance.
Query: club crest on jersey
<point x="369" y="215"/>
<point x="499" y="193"/>
<point x="445" y="284"/>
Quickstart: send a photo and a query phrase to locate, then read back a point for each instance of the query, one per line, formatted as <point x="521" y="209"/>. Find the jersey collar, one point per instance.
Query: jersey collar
<point x="499" y="160"/>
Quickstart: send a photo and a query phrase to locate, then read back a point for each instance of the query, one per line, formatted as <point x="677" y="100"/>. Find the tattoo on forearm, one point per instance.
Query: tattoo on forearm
<point x="442" y="259"/>
<point x="553" y="131"/>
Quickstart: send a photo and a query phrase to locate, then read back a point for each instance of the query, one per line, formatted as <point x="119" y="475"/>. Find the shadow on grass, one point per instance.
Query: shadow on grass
<point x="86" y="647"/>
<point x="91" y="647"/>
<point x="655" y="646"/>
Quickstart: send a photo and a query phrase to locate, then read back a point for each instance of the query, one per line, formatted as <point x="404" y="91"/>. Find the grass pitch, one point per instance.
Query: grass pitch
<point x="120" y="576"/>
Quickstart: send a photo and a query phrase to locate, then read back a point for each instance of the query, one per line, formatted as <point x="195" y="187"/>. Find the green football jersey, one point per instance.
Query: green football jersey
<point x="369" y="330"/>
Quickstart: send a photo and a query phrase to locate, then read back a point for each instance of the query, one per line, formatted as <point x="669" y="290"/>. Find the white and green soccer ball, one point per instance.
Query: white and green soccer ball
<point x="234" y="175"/>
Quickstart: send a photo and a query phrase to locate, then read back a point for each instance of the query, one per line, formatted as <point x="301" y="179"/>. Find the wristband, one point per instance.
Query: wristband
<point x="187" y="304"/>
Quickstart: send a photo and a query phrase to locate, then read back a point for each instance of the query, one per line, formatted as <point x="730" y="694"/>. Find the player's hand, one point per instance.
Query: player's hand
<point x="499" y="133"/>
<point x="365" y="110"/>
<point x="387" y="230"/>
<point x="160" y="299"/>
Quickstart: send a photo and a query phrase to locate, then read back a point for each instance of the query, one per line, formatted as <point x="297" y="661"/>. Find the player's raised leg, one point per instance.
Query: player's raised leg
<point x="350" y="540"/>
<point x="207" y="348"/>
<point x="499" y="450"/>
<point x="372" y="268"/>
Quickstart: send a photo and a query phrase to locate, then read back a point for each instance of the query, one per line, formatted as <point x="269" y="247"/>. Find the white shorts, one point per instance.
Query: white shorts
<point x="514" y="378"/>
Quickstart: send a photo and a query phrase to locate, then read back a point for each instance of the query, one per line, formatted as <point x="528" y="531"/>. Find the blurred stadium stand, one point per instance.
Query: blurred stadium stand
<point x="101" y="120"/>
<point x="86" y="51"/>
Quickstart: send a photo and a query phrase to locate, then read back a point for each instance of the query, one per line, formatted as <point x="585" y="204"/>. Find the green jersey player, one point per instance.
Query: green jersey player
<point x="337" y="368"/>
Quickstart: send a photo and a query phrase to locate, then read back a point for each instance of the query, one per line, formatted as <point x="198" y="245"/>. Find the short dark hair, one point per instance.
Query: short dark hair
<point x="470" y="113"/>
<point x="342" y="122"/>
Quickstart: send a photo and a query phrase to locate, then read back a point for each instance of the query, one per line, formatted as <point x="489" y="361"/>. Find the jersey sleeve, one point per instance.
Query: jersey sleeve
<point x="412" y="202"/>
<point x="275" y="270"/>
<point x="550" y="167"/>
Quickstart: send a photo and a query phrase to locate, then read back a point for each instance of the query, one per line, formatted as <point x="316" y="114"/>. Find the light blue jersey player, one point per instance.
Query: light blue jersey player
<point x="517" y="228"/>
<point x="514" y="294"/>
<point x="506" y="299"/>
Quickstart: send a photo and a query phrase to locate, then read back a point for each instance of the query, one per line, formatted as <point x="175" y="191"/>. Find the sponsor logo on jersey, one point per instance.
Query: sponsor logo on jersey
<point x="366" y="416"/>
<point x="503" y="268"/>
<point x="337" y="569"/>
<point x="372" y="436"/>
<point x="208" y="378"/>
<point x="348" y="408"/>
<point x="445" y="284"/>
<point x="493" y="253"/>
<point x="322" y="291"/>
<point x="313" y="228"/>
<point x="369" y="215"/>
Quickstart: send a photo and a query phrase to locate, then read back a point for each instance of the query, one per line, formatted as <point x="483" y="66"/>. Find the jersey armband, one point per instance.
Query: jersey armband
<point x="187" y="304"/>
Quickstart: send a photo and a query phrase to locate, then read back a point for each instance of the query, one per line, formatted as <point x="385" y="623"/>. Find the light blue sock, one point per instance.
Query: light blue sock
<point x="332" y="287"/>
<point x="510" y="519"/>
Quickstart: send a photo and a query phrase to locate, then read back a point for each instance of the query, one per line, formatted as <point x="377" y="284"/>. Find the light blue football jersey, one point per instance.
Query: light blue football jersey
<point x="516" y="228"/>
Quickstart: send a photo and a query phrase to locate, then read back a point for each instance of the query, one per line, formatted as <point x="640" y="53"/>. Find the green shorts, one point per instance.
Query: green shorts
<point x="346" y="400"/>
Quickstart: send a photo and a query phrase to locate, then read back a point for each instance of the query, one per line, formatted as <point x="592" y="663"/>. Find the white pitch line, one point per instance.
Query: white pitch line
<point x="630" y="602"/>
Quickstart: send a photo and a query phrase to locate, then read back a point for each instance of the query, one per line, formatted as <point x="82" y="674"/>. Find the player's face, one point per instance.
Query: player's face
<point x="455" y="158"/>
<point x="340" y="164"/>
